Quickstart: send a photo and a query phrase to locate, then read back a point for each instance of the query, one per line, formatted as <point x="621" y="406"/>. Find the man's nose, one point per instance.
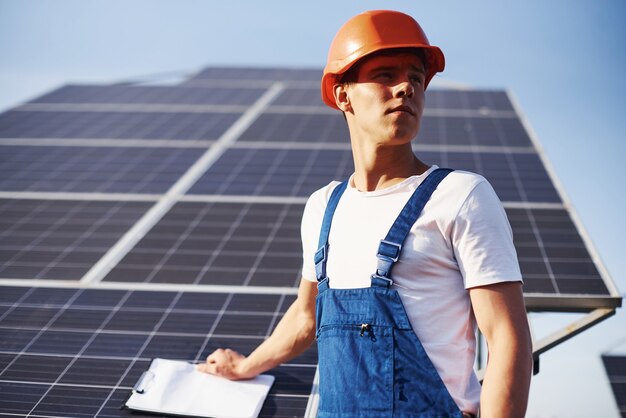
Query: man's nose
<point x="405" y="88"/>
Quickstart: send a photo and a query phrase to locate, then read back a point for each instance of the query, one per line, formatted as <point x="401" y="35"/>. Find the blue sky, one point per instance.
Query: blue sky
<point x="564" y="61"/>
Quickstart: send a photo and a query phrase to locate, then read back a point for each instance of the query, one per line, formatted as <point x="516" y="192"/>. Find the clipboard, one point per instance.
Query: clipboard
<point x="175" y="387"/>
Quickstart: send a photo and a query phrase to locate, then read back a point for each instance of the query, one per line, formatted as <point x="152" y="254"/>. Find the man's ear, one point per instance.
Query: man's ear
<point x="342" y="100"/>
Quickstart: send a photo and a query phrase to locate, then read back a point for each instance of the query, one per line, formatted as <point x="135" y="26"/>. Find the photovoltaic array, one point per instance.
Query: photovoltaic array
<point x="615" y="367"/>
<point x="142" y="221"/>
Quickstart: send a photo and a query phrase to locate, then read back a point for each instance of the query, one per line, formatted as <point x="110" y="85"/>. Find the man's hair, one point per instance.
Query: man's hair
<point x="352" y="75"/>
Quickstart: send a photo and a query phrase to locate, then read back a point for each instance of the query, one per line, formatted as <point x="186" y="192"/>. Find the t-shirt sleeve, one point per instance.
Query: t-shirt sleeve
<point x="483" y="241"/>
<point x="310" y="230"/>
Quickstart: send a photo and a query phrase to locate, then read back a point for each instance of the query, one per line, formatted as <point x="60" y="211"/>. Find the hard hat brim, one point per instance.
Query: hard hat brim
<point x="436" y="63"/>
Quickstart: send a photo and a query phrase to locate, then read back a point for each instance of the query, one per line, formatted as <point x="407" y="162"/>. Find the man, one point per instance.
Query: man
<point x="409" y="258"/>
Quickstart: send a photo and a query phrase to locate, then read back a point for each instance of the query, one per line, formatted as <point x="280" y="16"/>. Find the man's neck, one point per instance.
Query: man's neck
<point x="379" y="167"/>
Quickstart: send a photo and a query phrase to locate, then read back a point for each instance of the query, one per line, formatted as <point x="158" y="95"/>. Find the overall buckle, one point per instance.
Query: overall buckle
<point x="381" y="281"/>
<point x="389" y="250"/>
<point x="321" y="254"/>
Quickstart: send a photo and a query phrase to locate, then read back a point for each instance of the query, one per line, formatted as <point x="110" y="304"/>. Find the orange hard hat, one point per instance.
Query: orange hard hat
<point x="370" y="32"/>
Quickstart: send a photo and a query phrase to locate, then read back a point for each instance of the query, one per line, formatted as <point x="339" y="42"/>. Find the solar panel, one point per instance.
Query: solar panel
<point x="283" y="127"/>
<point x="93" y="169"/>
<point x="60" y="239"/>
<point x="615" y="366"/>
<point x="271" y="74"/>
<point x="81" y="351"/>
<point x="299" y="172"/>
<point x="240" y="244"/>
<point x="150" y="95"/>
<point x="279" y="126"/>
<point x="274" y="172"/>
<point x="114" y="124"/>
<point x="144" y="221"/>
<point x="473" y="131"/>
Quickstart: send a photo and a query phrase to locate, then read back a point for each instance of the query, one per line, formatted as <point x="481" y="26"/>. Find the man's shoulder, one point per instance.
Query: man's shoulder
<point x="459" y="187"/>
<point x="466" y="177"/>
<point x="464" y="180"/>
<point x="319" y="198"/>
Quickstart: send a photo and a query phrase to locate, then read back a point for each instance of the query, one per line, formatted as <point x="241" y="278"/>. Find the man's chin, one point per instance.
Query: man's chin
<point x="403" y="135"/>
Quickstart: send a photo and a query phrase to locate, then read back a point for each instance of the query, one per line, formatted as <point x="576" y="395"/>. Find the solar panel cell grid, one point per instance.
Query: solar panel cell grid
<point x="296" y="172"/>
<point x="46" y="239"/>
<point x="125" y="94"/>
<point x="102" y="403"/>
<point x="87" y="366"/>
<point x="479" y="131"/>
<point x="615" y="366"/>
<point x="115" y="125"/>
<point x="218" y="243"/>
<point x="18" y="399"/>
<point x="468" y="99"/>
<point x="295" y="96"/>
<point x="544" y="240"/>
<point x="307" y="127"/>
<point x="273" y="74"/>
<point x="275" y="172"/>
<point x="93" y="169"/>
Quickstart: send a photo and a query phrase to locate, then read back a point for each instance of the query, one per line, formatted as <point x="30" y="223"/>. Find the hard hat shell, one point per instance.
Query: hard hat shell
<point x="370" y="32"/>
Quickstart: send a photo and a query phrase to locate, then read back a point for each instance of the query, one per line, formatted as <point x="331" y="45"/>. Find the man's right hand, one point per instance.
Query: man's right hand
<point x="226" y="363"/>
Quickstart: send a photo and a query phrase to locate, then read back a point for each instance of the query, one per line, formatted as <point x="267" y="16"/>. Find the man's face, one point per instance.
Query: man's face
<point x="387" y="100"/>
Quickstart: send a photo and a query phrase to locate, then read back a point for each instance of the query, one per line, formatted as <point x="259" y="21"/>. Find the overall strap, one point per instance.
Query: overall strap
<point x="321" y="255"/>
<point x="390" y="247"/>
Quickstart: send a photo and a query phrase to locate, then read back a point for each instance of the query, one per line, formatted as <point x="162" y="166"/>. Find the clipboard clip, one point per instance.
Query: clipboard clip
<point x="145" y="381"/>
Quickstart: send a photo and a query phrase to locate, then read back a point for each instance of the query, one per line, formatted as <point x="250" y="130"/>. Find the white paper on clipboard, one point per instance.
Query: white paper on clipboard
<point x="176" y="387"/>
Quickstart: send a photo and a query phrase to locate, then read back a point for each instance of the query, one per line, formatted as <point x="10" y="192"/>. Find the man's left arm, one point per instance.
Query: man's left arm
<point x="501" y="316"/>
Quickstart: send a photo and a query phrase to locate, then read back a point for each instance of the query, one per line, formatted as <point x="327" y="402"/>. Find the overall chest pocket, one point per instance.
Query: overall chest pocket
<point x="356" y="369"/>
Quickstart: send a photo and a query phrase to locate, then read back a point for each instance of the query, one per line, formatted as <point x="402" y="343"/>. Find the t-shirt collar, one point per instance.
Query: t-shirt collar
<point x="390" y="189"/>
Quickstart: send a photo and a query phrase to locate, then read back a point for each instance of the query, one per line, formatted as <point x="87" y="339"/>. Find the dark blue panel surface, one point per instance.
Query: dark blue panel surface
<point x="115" y="125"/>
<point x="150" y="95"/>
<point x="218" y="243"/>
<point x="48" y="239"/>
<point x="615" y="366"/>
<point x="258" y="74"/>
<point x="307" y="127"/>
<point x="298" y="172"/>
<point x="434" y="130"/>
<point x="71" y="370"/>
<point x="93" y="169"/>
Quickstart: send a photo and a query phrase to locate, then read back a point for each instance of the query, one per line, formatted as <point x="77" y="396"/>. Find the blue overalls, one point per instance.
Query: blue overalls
<point x="371" y="363"/>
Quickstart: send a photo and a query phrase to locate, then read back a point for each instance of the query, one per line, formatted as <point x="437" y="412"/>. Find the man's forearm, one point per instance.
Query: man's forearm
<point x="294" y="334"/>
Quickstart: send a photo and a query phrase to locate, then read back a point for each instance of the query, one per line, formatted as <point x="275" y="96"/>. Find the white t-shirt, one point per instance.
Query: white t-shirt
<point x="461" y="240"/>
